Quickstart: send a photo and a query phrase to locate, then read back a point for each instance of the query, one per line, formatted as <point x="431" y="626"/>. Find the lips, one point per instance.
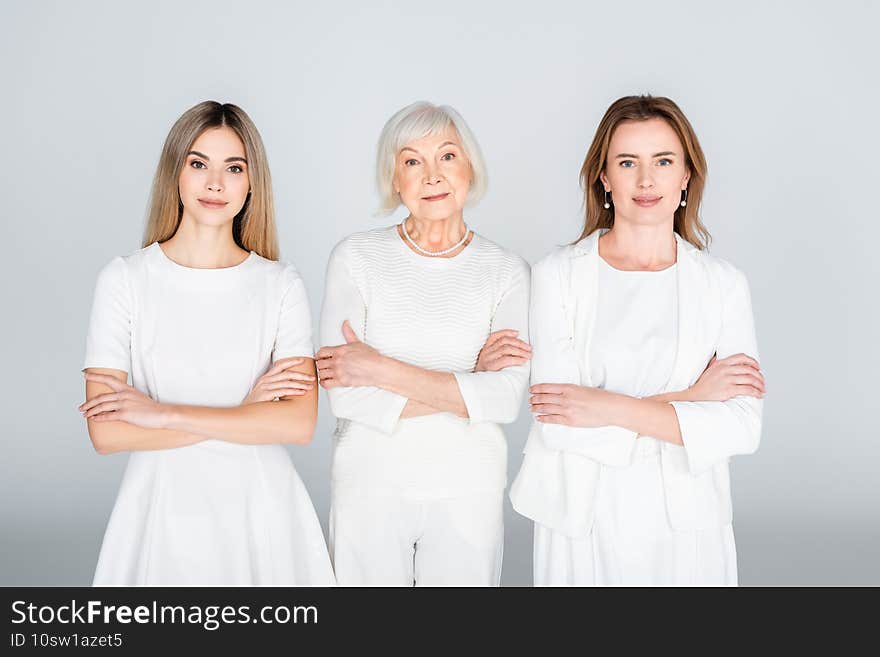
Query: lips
<point x="212" y="203"/>
<point x="436" y="197"/>
<point x="646" y="201"/>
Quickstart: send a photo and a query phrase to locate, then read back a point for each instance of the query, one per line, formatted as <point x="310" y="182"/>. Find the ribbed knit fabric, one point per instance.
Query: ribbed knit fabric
<point x="435" y="313"/>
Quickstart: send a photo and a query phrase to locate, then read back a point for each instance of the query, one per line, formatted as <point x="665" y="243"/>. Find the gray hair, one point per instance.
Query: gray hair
<point x="414" y="122"/>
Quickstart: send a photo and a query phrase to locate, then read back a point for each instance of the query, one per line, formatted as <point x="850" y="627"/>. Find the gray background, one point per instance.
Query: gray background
<point x="783" y="96"/>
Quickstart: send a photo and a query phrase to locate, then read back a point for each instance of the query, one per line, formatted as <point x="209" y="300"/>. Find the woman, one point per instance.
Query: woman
<point x="216" y="334"/>
<point x="422" y="362"/>
<point x="645" y="372"/>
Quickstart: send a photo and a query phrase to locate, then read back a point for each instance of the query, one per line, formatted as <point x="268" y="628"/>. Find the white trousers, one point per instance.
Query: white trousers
<point x="631" y="542"/>
<point x="385" y="540"/>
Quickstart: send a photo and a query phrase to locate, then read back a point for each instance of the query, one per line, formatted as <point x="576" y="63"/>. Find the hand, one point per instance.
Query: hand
<point x="124" y="404"/>
<point x="503" y="349"/>
<point x="281" y="381"/>
<point x="570" y="404"/>
<point x="354" y="363"/>
<point x="728" y="378"/>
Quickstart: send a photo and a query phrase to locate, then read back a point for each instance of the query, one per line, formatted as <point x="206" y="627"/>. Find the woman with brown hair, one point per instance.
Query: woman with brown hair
<point x="644" y="371"/>
<point x="216" y="334"/>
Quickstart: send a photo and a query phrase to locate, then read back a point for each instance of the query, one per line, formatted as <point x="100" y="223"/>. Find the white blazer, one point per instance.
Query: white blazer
<point x="557" y="481"/>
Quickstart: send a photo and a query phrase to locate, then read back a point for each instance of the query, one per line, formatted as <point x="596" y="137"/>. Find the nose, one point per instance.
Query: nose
<point x="645" y="180"/>
<point x="432" y="175"/>
<point x="215" y="183"/>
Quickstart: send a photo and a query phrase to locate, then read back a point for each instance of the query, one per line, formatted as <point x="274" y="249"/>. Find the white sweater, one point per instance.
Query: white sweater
<point x="435" y="313"/>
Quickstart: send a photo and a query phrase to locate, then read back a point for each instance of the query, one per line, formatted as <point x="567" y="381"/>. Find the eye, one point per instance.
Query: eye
<point x="198" y="164"/>
<point x="411" y="162"/>
<point x="627" y="164"/>
<point x="664" y="162"/>
<point x="235" y="169"/>
<point x="448" y="157"/>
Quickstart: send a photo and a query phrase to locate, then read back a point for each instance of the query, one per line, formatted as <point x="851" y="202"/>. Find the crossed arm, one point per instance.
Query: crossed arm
<point x="717" y="417"/>
<point x="357" y="364"/>
<point x="122" y="418"/>
<point x="376" y="391"/>
<point x="580" y="406"/>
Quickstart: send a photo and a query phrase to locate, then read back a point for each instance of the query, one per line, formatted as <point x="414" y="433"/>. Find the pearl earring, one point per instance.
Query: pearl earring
<point x="607" y="202"/>
<point x="684" y="200"/>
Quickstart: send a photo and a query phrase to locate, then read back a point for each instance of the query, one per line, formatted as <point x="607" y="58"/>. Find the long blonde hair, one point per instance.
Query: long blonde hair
<point x="254" y="226"/>
<point x="642" y="108"/>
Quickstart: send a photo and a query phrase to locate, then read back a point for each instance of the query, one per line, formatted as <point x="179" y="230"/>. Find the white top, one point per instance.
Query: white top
<point x="558" y="483"/>
<point x="636" y="332"/>
<point x="196" y="336"/>
<point x="216" y="512"/>
<point x="435" y="313"/>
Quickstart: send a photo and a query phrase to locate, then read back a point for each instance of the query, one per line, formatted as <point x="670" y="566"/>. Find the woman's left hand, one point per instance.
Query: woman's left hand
<point x="123" y="404"/>
<point x="570" y="404"/>
<point x="352" y="364"/>
<point x="503" y="349"/>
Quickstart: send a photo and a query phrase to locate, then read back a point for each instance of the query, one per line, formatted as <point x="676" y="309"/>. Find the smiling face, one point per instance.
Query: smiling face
<point x="645" y="172"/>
<point x="214" y="181"/>
<point x="433" y="176"/>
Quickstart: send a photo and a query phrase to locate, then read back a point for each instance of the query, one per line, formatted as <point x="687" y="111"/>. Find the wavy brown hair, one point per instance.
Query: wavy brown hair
<point x="642" y="108"/>
<point x="254" y="226"/>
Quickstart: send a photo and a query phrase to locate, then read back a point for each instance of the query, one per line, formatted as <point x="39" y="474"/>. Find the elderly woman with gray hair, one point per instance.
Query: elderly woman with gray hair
<point x="429" y="324"/>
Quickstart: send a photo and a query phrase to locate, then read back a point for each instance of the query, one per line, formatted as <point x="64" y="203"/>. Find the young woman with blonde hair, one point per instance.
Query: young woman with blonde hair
<point x="644" y="370"/>
<point x="216" y="335"/>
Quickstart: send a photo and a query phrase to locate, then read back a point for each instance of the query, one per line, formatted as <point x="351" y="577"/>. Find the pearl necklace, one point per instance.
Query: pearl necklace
<point x="434" y="253"/>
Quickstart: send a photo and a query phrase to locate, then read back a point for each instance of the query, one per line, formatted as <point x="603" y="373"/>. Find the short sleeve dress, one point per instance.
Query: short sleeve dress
<point x="216" y="512"/>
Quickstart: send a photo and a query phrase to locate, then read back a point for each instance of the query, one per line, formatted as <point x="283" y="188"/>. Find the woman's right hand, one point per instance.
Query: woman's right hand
<point x="728" y="378"/>
<point x="503" y="349"/>
<point x="279" y="381"/>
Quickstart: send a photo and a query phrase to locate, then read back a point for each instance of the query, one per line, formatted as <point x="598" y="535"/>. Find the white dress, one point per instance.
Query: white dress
<point x="216" y="512"/>
<point x="632" y="542"/>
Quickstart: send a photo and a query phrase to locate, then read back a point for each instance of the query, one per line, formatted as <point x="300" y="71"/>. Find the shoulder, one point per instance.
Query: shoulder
<point x="281" y="275"/>
<point x="115" y="270"/>
<point x="365" y="243"/>
<point x="556" y="261"/>
<point x="500" y="258"/>
<point x="122" y="269"/>
<point x="721" y="271"/>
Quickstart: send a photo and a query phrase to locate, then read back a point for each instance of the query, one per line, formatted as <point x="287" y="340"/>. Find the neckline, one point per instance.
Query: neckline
<point x="176" y="265"/>
<point x="637" y="271"/>
<point x="464" y="254"/>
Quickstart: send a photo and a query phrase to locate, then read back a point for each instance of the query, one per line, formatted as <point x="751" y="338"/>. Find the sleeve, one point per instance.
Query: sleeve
<point x="554" y="360"/>
<point x="108" y="343"/>
<point x="294" y="337"/>
<point x="497" y="396"/>
<point x="370" y="405"/>
<point x="713" y="431"/>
